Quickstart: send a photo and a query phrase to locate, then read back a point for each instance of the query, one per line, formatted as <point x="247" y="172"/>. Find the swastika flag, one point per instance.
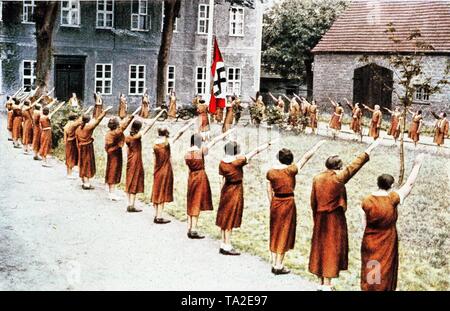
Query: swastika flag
<point x="220" y="81"/>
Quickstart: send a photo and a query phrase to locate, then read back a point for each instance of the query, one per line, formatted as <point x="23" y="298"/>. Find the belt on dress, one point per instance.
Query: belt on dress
<point x="284" y="195"/>
<point x="46" y="128"/>
<point x="237" y="182"/>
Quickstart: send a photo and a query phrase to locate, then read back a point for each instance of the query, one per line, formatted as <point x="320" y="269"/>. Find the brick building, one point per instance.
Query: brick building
<point x="360" y="30"/>
<point x="111" y="46"/>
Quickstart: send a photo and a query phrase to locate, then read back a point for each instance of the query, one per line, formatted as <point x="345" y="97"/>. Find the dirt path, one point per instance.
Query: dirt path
<point x="54" y="236"/>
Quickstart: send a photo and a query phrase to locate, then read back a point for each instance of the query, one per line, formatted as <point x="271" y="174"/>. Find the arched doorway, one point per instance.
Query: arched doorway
<point x="372" y="85"/>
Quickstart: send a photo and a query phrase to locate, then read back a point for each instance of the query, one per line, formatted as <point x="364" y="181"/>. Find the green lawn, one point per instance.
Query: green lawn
<point x="423" y="223"/>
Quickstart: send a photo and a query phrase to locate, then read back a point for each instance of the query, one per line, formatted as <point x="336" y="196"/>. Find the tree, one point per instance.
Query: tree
<point x="171" y="12"/>
<point x="409" y="70"/>
<point x="291" y="30"/>
<point x="45" y="18"/>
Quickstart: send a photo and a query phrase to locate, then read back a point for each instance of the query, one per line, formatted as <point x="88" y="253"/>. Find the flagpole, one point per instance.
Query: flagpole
<point x="209" y="51"/>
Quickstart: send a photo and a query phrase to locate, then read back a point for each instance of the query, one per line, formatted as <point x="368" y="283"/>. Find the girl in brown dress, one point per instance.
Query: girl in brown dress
<point x="283" y="214"/>
<point x="202" y="110"/>
<point x="16" y="123"/>
<point x="279" y="103"/>
<point x="123" y="106"/>
<point x="394" y="128"/>
<point x="135" y="168"/>
<point x="27" y="139"/>
<point x="231" y="205"/>
<point x="162" y="191"/>
<point x="172" y="114"/>
<point x="86" y="155"/>
<point x="294" y="111"/>
<point x="114" y="141"/>
<point x="313" y="112"/>
<point x="441" y="129"/>
<point x="336" y="118"/>
<point x="375" y="123"/>
<point x="229" y="115"/>
<point x="36" y="131"/>
<point x="379" y="247"/>
<point x="9" y="124"/>
<point x="416" y="126"/>
<point x="46" y="133"/>
<point x="198" y="189"/>
<point x="145" y="107"/>
<point x="355" y="124"/>
<point x="98" y="105"/>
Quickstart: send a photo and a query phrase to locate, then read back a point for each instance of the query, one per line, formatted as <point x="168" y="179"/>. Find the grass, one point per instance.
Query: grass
<point x="423" y="222"/>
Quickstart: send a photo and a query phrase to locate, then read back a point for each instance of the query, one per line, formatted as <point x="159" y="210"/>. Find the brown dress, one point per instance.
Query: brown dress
<point x="27" y="138"/>
<point x="145" y="109"/>
<point x="283" y="212"/>
<point x="86" y="155"/>
<point x="172" y="107"/>
<point x="329" y="243"/>
<point x="394" y="129"/>
<point x="36" y="131"/>
<point x="17" y="123"/>
<point x="313" y="116"/>
<point x="441" y="131"/>
<point x="162" y="191"/>
<point x="114" y="141"/>
<point x="98" y="109"/>
<point x="122" y="109"/>
<point x="71" y="143"/>
<point x="379" y="248"/>
<point x="294" y="113"/>
<point x="229" y="117"/>
<point x="135" y="168"/>
<point x="355" y="125"/>
<point x="375" y="124"/>
<point x="219" y="114"/>
<point x="414" y="128"/>
<point x="9" y="123"/>
<point x="336" y="118"/>
<point x="199" y="196"/>
<point x="46" y="136"/>
<point x="202" y="110"/>
<point x="231" y="205"/>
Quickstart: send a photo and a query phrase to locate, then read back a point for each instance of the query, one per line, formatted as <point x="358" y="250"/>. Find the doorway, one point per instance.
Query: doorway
<point x="69" y="76"/>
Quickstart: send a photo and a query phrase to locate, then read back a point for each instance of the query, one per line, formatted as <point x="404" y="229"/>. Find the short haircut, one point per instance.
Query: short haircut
<point x="45" y="111"/>
<point x="285" y="156"/>
<point x="419" y="112"/>
<point x="196" y="140"/>
<point x="72" y="116"/>
<point x="163" y="132"/>
<point x="201" y="101"/>
<point x="333" y="163"/>
<point x="135" y="127"/>
<point x="113" y="123"/>
<point x="232" y="148"/>
<point x="37" y="107"/>
<point x="444" y="114"/>
<point x="385" y="181"/>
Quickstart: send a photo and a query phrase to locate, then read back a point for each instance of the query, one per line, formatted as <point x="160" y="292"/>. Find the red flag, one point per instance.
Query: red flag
<point x="220" y="81"/>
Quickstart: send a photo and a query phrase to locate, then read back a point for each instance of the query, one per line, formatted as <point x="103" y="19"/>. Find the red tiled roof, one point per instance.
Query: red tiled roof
<point x="361" y="27"/>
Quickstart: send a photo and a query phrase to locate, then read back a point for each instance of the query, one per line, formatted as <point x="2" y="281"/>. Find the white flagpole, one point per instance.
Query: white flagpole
<point x="209" y="51"/>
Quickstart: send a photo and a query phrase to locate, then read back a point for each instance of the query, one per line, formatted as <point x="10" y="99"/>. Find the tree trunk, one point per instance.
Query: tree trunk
<point x="402" y="150"/>
<point x="45" y="17"/>
<point x="171" y="12"/>
<point x="309" y="78"/>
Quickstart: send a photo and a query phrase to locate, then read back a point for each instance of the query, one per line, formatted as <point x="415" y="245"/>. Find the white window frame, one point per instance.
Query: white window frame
<point x="32" y="76"/>
<point x="234" y="21"/>
<point x="28" y="5"/>
<point x="1" y="11"/>
<point x="203" y="21"/>
<point x="1" y="76"/>
<point x="233" y="82"/>
<point x="136" y="79"/>
<point x="175" y="26"/>
<point x="103" y="79"/>
<point x="105" y="13"/>
<point x="422" y="94"/>
<point x="200" y="83"/>
<point x="170" y="86"/>
<point x="69" y="10"/>
<point x="140" y="15"/>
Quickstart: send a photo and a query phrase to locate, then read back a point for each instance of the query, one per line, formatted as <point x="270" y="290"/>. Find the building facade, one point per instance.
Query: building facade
<point x="341" y="71"/>
<point x="111" y="46"/>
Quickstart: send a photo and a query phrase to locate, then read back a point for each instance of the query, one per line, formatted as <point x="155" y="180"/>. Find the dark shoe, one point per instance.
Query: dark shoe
<point x="161" y="221"/>
<point x="195" y="235"/>
<point x="131" y="209"/>
<point x="87" y="187"/>
<point x="280" y="271"/>
<point x="229" y="253"/>
<point x="10" y="139"/>
<point x="17" y="146"/>
<point x="36" y="158"/>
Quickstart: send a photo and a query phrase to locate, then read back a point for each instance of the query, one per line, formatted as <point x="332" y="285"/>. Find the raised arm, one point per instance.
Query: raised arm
<point x="405" y="190"/>
<point x="182" y="131"/>
<point x="368" y="108"/>
<point x="258" y="150"/>
<point x="101" y="116"/>
<point x="284" y="95"/>
<point x="50" y="115"/>
<point x="308" y="155"/>
<point x="349" y="104"/>
<point x="153" y="121"/>
<point x="273" y="97"/>
<point x="435" y="115"/>
<point x="216" y="139"/>
<point x="388" y="110"/>
<point x="252" y="98"/>
<point x="332" y="102"/>
<point x="89" y="110"/>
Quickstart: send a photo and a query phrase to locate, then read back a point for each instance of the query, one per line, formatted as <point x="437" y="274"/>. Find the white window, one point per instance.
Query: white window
<point x="140" y="20"/>
<point x="175" y="26"/>
<point x="170" y="79"/>
<point x="1" y="77"/>
<point x="28" y="74"/>
<point x="200" y="80"/>
<point x="1" y="11"/>
<point x="203" y="19"/>
<point x="28" y="11"/>
<point x="103" y="78"/>
<point x="136" y="80"/>
<point x="234" y="81"/>
<point x="70" y="13"/>
<point x="236" y="21"/>
<point x="422" y="94"/>
<point x="105" y="14"/>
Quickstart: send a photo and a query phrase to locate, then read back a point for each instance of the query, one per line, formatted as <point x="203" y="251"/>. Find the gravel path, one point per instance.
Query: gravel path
<point x="54" y="236"/>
